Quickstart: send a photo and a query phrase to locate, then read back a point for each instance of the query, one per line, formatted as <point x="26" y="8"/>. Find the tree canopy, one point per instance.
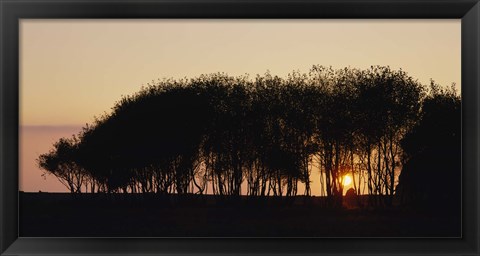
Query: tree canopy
<point x="260" y="136"/>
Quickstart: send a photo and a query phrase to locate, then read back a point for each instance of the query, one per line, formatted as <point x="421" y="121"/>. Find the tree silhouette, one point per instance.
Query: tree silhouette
<point x="431" y="176"/>
<point x="62" y="163"/>
<point x="265" y="136"/>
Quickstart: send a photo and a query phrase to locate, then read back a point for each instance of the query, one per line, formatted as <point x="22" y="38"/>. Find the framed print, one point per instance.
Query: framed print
<point x="239" y="127"/>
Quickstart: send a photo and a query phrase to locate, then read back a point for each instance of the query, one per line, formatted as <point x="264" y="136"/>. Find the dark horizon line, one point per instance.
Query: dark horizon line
<point x="174" y="194"/>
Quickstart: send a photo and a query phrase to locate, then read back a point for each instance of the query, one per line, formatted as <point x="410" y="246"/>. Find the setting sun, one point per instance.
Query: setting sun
<point x="347" y="180"/>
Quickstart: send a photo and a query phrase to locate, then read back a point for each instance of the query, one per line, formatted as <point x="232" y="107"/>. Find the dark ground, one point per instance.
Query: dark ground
<point x="100" y="215"/>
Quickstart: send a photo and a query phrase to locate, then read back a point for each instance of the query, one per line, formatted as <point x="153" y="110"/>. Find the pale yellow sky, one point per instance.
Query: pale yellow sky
<point x="72" y="70"/>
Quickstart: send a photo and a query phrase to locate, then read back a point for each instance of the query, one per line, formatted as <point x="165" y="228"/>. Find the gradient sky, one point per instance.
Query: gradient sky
<point x="73" y="70"/>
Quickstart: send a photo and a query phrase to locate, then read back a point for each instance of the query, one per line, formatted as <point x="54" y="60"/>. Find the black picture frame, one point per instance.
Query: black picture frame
<point x="11" y="11"/>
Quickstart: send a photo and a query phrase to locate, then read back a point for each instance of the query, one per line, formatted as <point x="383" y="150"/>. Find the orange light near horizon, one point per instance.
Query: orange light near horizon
<point x="347" y="180"/>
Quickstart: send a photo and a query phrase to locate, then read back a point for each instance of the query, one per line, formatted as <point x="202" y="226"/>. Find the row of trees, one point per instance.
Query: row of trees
<point x="227" y="135"/>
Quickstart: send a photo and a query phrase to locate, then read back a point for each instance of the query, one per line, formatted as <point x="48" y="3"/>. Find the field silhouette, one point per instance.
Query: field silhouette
<point x="147" y="215"/>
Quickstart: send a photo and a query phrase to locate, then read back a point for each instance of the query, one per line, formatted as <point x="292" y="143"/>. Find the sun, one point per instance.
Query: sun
<point x="347" y="180"/>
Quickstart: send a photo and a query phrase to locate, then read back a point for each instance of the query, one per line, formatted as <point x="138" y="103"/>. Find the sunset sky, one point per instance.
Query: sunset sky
<point x="73" y="70"/>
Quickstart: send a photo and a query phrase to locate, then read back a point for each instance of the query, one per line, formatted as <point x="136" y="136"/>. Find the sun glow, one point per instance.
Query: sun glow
<point x="347" y="180"/>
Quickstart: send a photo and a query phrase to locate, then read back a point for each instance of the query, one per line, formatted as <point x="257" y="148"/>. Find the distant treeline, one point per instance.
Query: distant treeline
<point x="219" y="134"/>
